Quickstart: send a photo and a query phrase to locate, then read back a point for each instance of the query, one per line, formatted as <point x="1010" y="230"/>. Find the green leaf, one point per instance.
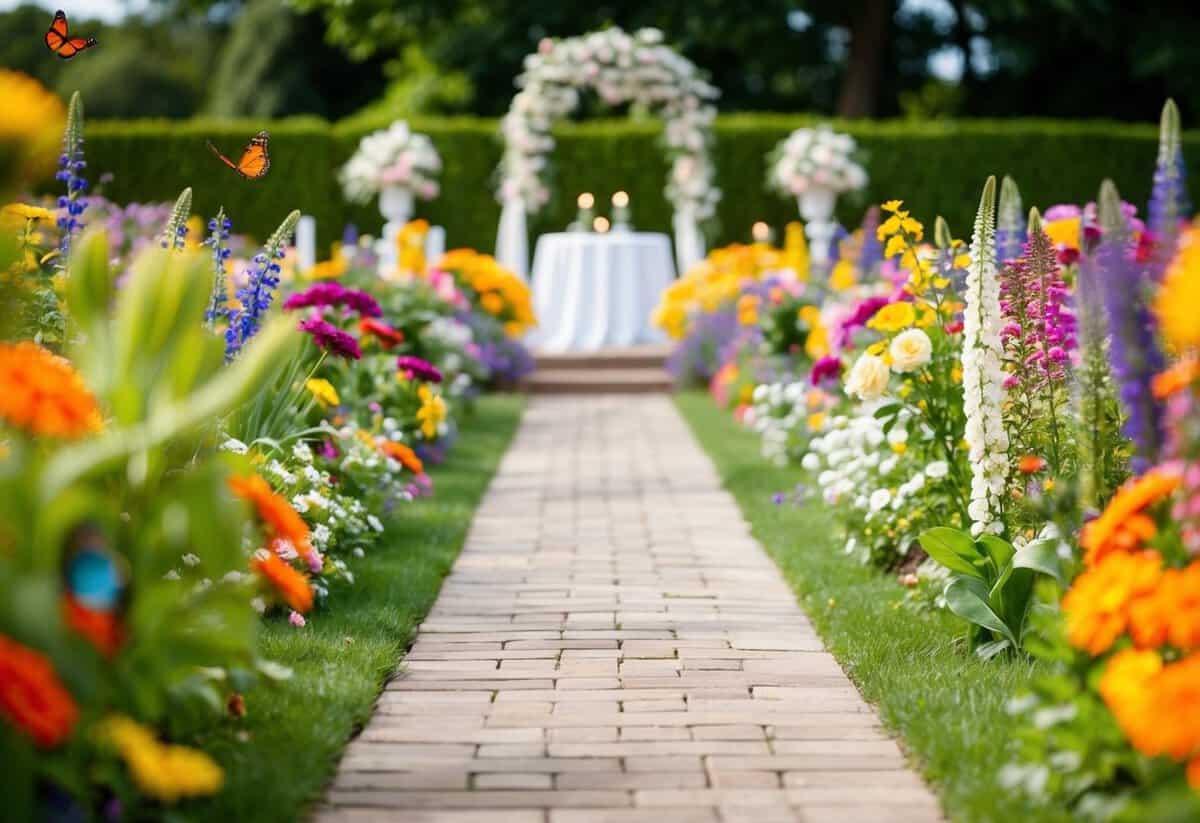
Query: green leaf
<point x="987" y="651"/>
<point x="968" y="598"/>
<point x="952" y="548"/>
<point x="997" y="548"/>
<point x="1041" y="556"/>
<point x="887" y="410"/>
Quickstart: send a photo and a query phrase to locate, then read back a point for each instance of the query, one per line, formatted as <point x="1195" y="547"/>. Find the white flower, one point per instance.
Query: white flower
<point x="937" y="470"/>
<point x="190" y="560"/>
<point x="897" y="435"/>
<point x="234" y="445"/>
<point x="374" y="522"/>
<point x="259" y="605"/>
<point x="313" y="476"/>
<point x="868" y="378"/>
<point x="879" y="499"/>
<point x="810" y="462"/>
<point x="910" y="350"/>
<point x="302" y="452"/>
<point x="171" y="574"/>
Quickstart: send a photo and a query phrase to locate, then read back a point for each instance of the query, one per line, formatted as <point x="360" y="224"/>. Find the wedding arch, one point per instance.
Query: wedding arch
<point x="621" y="68"/>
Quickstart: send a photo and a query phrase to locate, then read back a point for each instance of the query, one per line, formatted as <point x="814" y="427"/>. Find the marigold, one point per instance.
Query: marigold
<point x="163" y="771"/>
<point x="42" y="393"/>
<point x="403" y="455"/>
<point x="893" y="317"/>
<point x="274" y="510"/>
<point x="1175" y="379"/>
<point x="1122" y="526"/>
<point x="1030" y="464"/>
<point x="32" y="697"/>
<point x="1170" y="614"/>
<point x="1097" y="605"/>
<point x="385" y="334"/>
<point x="1180" y="294"/>
<point x="291" y="585"/>
<point x="1157" y="706"/>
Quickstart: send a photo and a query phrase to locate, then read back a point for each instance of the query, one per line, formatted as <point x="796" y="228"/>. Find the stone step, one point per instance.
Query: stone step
<point x="599" y="381"/>
<point x="631" y="357"/>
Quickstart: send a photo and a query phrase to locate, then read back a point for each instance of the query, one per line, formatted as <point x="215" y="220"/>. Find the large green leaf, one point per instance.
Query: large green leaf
<point x="997" y="548"/>
<point x="1041" y="556"/>
<point x="954" y="549"/>
<point x="968" y="598"/>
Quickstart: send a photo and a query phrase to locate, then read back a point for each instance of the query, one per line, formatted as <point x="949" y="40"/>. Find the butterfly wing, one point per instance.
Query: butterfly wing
<point x="56" y="35"/>
<point x="255" y="160"/>
<point x="93" y="574"/>
<point x="73" y="45"/>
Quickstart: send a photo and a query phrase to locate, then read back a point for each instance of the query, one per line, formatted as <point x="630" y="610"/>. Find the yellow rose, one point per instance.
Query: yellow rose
<point x="893" y="317"/>
<point x="910" y="350"/>
<point x="868" y="378"/>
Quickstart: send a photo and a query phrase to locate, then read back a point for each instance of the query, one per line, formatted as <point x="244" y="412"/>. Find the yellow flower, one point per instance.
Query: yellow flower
<point x="33" y="118"/>
<point x="842" y="276"/>
<point x="161" y="770"/>
<point x="895" y="245"/>
<point x="323" y="390"/>
<point x="913" y="226"/>
<point x="889" y="227"/>
<point x="329" y="269"/>
<point x="1180" y="295"/>
<point x="893" y="317"/>
<point x="1064" y="232"/>
<point x="432" y="411"/>
<point x="892" y="205"/>
<point x="492" y="303"/>
<point x="21" y="211"/>
<point x="816" y="421"/>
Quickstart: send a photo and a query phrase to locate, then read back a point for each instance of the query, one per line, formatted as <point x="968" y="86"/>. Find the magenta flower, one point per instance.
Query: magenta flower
<point x="330" y="338"/>
<point x="828" y="367"/>
<point x="417" y="369"/>
<point x="334" y="294"/>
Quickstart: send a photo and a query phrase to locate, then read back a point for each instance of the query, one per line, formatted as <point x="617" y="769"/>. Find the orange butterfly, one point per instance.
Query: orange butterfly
<point x="59" y="41"/>
<point x="254" y="161"/>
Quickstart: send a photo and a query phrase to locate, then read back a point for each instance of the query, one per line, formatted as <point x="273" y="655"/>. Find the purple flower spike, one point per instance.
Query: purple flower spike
<point x="418" y="369"/>
<point x="330" y="338"/>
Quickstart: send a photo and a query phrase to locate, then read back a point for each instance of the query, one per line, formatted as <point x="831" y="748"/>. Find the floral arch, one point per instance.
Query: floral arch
<point x="621" y="68"/>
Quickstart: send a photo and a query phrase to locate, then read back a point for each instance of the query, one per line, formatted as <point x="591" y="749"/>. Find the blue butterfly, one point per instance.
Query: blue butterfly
<point x="94" y="575"/>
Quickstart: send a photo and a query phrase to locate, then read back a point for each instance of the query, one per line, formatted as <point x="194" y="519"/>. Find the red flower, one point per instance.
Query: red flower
<point x="32" y="697"/>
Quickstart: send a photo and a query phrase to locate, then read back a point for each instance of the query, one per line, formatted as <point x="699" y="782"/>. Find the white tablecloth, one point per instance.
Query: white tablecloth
<point x="592" y="291"/>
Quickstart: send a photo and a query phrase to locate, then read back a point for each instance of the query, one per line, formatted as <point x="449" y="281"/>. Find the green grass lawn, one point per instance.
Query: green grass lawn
<point x="946" y="705"/>
<point x="278" y="759"/>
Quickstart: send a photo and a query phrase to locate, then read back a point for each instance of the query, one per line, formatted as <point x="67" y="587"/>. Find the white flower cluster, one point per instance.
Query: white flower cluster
<point x="394" y="156"/>
<point x="622" y="68"/>
<point x="983" y="375"/>
<point x="817" y="158"/>
<point x="779" y="413"/>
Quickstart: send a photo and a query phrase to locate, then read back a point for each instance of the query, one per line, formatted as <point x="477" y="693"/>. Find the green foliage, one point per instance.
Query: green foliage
<point x="992" y="583"/>
<point x="932" y="166"/>
<point x="127" y="79"/>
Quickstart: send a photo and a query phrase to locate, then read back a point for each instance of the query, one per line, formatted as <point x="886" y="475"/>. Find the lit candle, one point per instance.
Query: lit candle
<point x="583" y="218"/>
<point x="620" y="213"/>
<point x="585" y="200"/>
<point x="620" y="200"/>
<point x="761" y="232"/>
<point x="600" y="224"/>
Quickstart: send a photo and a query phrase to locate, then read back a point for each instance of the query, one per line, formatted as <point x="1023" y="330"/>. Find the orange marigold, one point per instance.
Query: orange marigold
<point x="1030" y="464"/>
<point x="291" y="585"/>
<point x="1156" y="705"/>
<point x="1122" y="526"/>
<point x="1170" y="613"/>
<point x="404" y="455"/>
<point x="32" y="697"/>
<point x="43" y="394"/>
<point x="1176" y="378"/>
<point x="274" y="510"/>
<point x="1097" y="604"/>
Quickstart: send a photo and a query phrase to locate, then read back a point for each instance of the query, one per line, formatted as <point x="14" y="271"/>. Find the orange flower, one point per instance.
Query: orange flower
<point x="1097" y="605"/>
<point x="102" y="629"/>
<point x="1156" y="705"/>
<point x="404" y="455"/>
<point x="291" y="585"/>
<point x="1170" y="613"/>
<point x="1176" y="378"/>
<point x="32" y="697"/>
<point x="274" y="510"/>
<point x="1122" y="526"/>
<point x="1030" y="464"/>
<point x="385" y="334"/>
<point x="43" y="394"/>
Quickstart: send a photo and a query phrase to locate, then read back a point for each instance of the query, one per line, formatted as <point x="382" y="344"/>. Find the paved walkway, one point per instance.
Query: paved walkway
<point x="612" y="645"/>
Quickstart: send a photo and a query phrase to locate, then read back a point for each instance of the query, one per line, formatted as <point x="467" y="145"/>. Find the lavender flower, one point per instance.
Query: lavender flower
<point x="219" y="228"/>
<point x="418" y="369"/>
<point x="1010" y="222"/>
<point x="255" y="298"/>
<point x="871" y="253"/>
<point x="331" y="339"/>
<point x="1039" y="328"/>
<point x="697" y="357"/>
<point x="1133" y="352"/>
<point x="334" y="294"/>
<point x="1168" y="198"/>
<point x="70" y="171"/>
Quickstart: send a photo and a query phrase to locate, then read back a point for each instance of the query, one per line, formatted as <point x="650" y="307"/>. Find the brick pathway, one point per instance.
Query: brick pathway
<point x="613" y="645"/>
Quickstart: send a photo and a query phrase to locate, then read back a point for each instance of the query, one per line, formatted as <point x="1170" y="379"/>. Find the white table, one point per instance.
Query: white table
<point x="591" y="291"/>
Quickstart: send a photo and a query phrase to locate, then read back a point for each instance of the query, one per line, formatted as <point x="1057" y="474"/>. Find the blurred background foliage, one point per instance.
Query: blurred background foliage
<point x="852" y="58"/>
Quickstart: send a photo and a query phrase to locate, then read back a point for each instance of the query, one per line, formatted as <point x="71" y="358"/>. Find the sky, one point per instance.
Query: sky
<point x="107" y="10"/>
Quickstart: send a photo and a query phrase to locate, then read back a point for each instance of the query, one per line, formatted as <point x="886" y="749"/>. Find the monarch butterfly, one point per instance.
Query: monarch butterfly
<point x="59" y="41"/>
<point x="254" y="161"/>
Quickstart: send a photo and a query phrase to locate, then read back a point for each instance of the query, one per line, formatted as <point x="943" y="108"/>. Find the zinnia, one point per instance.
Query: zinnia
<point x="403" y="455"/>
<point x="32" y="697"/>
<point x="385" y="334"/>
<point x="1123" y="526"/>
<point x="330" y="338"/>
<point x="274" y="510"/>
<point x="42" y="393"/>
<point x="1097" y="605"/>
<point x="415" y="368"/>
<point x="334" y="294"/>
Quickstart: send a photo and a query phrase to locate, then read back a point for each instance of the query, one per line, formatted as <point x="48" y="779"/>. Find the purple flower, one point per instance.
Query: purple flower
<point x="330" y="338"/>
<point x="828" y="367"/>
<point x="697" y="357"/>
<point x="778" y="497"/>
<point x="863" y="312"/>
<point x="328" y="450"/>
<point x="334" y="294"/>
<point x="871" y="254"/>
<point x="417" y="369"/>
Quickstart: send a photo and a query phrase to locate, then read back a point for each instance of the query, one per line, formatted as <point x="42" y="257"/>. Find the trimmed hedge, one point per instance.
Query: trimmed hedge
<point x="936" y="167"/>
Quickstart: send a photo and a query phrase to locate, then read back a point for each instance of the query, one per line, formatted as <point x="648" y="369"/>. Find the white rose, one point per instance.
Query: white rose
<point x="910" y="350"/>
<point x="868" y="378"/>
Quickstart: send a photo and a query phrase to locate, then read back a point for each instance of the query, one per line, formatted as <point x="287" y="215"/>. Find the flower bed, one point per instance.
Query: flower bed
<point x="189" y="441"/>
<point x="1008" y="427"/>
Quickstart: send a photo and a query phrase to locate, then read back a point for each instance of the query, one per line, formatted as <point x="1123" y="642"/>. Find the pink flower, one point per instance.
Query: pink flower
<point x="297" y="620"/>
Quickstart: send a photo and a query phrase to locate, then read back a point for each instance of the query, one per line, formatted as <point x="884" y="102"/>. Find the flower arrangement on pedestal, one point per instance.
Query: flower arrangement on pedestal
<point x="392" y="158"/>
